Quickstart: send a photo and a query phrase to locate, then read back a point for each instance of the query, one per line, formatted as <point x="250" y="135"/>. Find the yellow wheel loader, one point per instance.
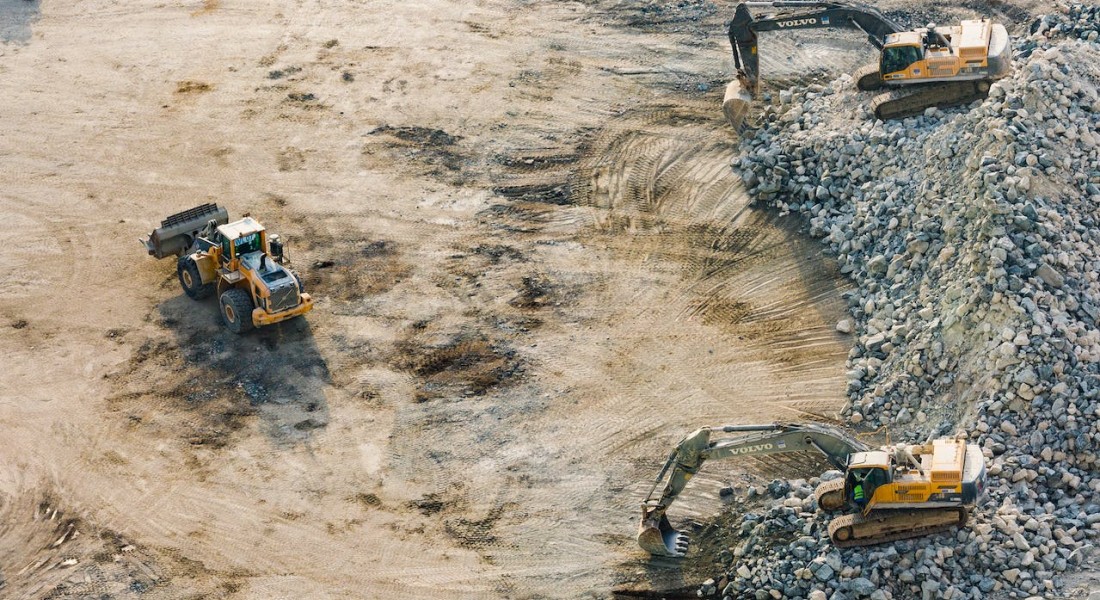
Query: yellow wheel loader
<point x="892" y="493"/>
<point x="919" y="69"/>
<point x="238" y="261"/>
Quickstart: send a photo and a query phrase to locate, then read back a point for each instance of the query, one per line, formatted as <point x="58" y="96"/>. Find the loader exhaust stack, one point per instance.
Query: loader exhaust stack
<point x="177" y="232"/>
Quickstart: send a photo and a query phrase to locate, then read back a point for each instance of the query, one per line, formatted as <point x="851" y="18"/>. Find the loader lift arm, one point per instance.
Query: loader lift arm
<point x="744" y="27"/>
<point x="657" y="535"/>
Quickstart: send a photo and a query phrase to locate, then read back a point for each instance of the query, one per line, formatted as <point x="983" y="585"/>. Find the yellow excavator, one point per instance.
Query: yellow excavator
<point x="891" y="493"/>
<point x="918" y="69"/>
<point x="238" y="261"/>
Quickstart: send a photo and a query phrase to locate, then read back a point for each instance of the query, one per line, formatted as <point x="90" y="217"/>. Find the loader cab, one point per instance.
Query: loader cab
<point x="869" y="469"/>
<point x="240" y="238"/>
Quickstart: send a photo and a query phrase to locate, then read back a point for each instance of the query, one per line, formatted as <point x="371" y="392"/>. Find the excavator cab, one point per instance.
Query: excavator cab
<point x="870" y="470"/>
<point x="899" y="57"/>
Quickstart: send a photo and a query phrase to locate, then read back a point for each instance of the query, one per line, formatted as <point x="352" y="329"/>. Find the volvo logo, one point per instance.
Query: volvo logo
<point x="751" y="449"/>
<point x="797" y="22"/>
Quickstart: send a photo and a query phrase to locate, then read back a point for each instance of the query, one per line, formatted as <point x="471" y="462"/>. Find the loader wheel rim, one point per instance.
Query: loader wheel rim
<point x="229" y="314"/>
<point x="186" y="275"/>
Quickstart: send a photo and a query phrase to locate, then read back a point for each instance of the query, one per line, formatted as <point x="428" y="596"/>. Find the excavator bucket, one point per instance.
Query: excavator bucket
<point x="657" y="537"/>
<point x="736" y="105"/>
<point x="177" y="232"/>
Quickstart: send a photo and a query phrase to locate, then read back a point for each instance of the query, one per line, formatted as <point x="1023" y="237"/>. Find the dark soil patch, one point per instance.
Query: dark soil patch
<point x="498" y="252"/>
<point x="280" y="73"/>
<point x="418" y="135"/>
<point x="432" y="147"/>
<point x="358" y="269"/>
<point x="557" y="193"/>
<point x="193" y="87"/>
<point x="429" y="504"/>
<point x="467" y="364"/>
<point x="536" y="291"/>
<point x="477" y="533"/>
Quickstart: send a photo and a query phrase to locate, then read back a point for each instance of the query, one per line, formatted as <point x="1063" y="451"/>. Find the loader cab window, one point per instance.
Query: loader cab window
<point x="898" y="58"/>
<point x="247" y="243"/>
<point x="227" y="247"/>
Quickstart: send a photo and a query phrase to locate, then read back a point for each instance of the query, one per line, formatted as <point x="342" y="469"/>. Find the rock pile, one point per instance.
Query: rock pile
<point x="973" y="236"/>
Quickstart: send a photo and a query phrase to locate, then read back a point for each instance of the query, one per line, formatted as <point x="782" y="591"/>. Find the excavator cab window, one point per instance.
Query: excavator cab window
<point x="869" y="479"/>
<point x="898" y="58"/>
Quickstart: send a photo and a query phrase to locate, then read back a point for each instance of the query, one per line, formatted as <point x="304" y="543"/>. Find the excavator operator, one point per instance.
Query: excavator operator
<point x="858" y="492"/>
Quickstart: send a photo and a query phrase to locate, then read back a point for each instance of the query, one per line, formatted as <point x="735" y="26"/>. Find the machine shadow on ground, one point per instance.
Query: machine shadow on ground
<point x="210" y="383"/>
<point x="16" y="17"/>
<point x="276" y="370"/>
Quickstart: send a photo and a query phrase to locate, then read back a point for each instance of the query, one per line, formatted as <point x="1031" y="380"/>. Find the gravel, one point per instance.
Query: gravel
<point x="973" y="238"/>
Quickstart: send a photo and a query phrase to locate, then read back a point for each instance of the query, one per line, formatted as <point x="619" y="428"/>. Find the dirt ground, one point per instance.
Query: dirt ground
<point x="534" y="273"/>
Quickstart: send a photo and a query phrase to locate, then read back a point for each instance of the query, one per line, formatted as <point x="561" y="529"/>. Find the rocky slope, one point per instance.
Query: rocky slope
<point x="973" y="238"/>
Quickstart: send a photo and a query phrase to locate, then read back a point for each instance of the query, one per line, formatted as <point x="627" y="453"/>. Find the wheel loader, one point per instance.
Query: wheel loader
<point x="238" y="261"/>
<point x="890" y="493"/>
<point x="918" y="69"/>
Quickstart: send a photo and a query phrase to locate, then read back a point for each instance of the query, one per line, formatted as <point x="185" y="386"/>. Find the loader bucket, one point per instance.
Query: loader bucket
<point x="657" y="537"/>
<point x="177" y="232"/>
<point x="736" y="105"/>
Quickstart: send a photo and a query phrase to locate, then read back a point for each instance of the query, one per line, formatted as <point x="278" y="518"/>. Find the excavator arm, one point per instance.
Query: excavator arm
<point x="659" y="538"/>
<point x="816" y="15"/>
<point x="798" y="15"/>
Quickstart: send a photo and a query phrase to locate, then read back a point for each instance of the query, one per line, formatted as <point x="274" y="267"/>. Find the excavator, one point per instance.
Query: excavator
<point x="891" y="493"/>
<point x="918" y="69"/>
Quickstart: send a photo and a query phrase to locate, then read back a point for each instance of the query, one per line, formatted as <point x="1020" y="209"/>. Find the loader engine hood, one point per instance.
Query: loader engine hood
<point x="280" y="283"/>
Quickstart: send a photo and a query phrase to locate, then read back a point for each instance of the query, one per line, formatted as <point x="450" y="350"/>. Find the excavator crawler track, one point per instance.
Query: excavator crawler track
<point x="891" y="525"/>
<point x="905" y="103"/>
<point x="868" y="78"/>
<point x="830" y="495"/>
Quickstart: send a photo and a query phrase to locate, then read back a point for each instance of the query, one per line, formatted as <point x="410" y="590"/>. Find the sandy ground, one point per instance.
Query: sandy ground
<point x="534" y="273"/>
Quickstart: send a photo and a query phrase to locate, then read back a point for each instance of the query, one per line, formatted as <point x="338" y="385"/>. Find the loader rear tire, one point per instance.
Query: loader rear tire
<point x="237" y="310"/>
<point x="191" y="280"/>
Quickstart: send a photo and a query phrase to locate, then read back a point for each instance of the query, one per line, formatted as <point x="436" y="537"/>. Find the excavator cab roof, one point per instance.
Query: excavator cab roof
<point x="904" y="38"/>
<point x="867" y="460"/>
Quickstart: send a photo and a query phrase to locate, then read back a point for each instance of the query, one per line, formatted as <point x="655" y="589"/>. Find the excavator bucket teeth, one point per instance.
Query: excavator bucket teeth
<point x="736" y="106"/>
<point x="659" y="538"/>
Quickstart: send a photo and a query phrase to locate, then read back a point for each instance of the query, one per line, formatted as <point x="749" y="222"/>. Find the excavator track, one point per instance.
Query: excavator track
<point x="868" y="78"/>
<point x="830" y="495"/>
<point x="905" y="103"/>
<point x="888" y="526"/>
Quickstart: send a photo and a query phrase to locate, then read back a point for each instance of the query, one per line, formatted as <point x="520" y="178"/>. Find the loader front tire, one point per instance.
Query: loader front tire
<point x="237" y="310"/>
<point x="191" y="280"/>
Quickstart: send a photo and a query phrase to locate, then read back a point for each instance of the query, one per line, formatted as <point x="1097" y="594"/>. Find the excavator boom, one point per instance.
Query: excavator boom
<point x="815" y="15"/>
<point x="657" y="535"/>
<point x="797" y="15"/>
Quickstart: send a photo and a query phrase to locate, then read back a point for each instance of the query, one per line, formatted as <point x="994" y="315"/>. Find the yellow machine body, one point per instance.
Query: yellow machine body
<point x="935" y="474"/>
<point x="963" y="53"/>
<point x="222" y="263"/>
